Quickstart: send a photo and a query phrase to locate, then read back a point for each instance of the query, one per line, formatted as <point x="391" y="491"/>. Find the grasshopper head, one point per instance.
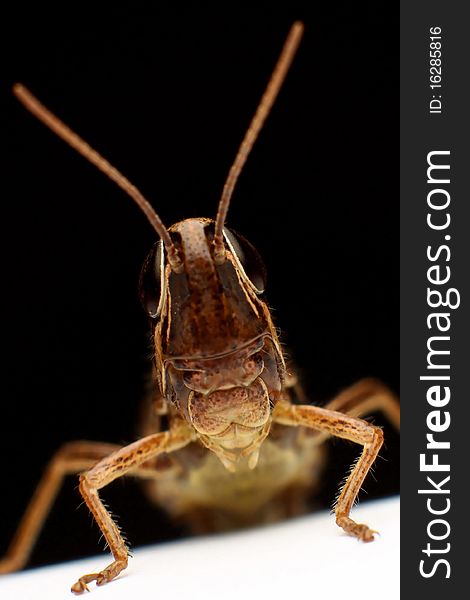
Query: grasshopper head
<point x="206" y="309"/>
<point x="216" y="351"/>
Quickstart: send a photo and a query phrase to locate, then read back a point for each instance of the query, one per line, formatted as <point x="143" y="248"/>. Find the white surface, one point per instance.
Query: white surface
<point x="297" y="560"/>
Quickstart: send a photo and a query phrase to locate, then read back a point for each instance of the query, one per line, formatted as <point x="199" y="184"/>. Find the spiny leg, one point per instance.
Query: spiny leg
<point x="350" y="428"/>
<point x="71" y="459"/>
<point x="125" y="460"/>
<point x="366" y="397"/>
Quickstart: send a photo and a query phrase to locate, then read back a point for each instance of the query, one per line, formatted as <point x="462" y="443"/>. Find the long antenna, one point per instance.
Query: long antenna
<point x="66" y="134"/>
<point x="277" y="78"/>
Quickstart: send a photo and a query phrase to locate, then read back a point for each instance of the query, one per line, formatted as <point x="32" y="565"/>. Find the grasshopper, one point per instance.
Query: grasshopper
<point x="241" y="445"/>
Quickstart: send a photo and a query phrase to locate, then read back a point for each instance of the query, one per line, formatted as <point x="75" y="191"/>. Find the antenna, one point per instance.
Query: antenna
<point x="66" y="134"/>
<point x="277" y="78"/>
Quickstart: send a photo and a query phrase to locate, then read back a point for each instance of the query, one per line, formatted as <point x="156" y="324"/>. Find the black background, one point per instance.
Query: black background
<point x="165" y="92"/>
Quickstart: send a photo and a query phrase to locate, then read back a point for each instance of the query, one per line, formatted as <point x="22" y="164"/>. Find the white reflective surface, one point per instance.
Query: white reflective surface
<point x="298" y="560"/>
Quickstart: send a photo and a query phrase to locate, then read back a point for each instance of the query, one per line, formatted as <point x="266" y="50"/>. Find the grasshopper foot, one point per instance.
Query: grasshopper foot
<point x="101" y="578"/>
<point x="8" y="565"/>
<point x="362" y="532"/>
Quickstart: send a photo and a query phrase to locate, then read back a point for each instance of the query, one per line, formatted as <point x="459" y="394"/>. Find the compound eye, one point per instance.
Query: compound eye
<point x="248" y="258"/>
<point x="151" y="281"/>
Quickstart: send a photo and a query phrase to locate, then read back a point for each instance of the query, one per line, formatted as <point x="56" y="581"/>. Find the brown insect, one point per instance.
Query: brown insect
<point x="241" y="446"/>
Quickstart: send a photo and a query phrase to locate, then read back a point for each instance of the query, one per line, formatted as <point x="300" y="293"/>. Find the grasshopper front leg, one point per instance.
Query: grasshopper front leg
<point x="117" y="464"/>
<point x="350" y="428"/>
